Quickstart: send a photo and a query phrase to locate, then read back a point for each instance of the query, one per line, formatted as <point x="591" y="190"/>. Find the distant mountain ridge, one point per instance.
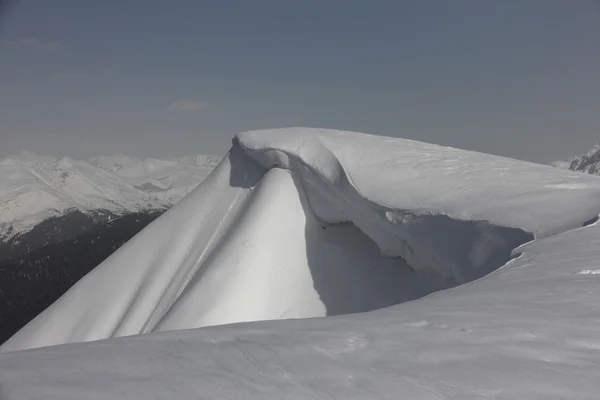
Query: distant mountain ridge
<point x="59" y="218"/>
<point x="587" y="163"/>
<point x="34" y="188"/>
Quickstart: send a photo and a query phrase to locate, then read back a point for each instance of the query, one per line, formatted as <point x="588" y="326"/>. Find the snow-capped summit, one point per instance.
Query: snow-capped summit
<point x="119" y="162"/>
<point x="201" y="160"/>
<point x="300" y="223"/>
<point x="588" y="163"/>
<point x="28" y="158"/>
<point x="267" y="235"/>
<point x="168" y="179"/>
<point x="114" y="162"/>
<point x="34" y="188"/>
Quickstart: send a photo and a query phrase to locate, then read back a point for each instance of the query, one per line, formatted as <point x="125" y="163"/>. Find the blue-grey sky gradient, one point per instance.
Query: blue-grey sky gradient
<point x="160" y="78"/>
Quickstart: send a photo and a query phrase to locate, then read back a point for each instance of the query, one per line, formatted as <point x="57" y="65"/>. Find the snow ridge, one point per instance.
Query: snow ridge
<point x="256" y="222"/>
<point x="421" y="238"/>
<point x="293" y="224"/>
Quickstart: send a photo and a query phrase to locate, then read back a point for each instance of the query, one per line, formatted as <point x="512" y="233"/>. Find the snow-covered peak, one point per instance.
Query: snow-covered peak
<point x="118" y="162"/>
<point x="267" y="236"/>
<point x="114" y="162"/>
<point x="33" y="187"/>
<point x="588" y="163"/>
<point x="199" y="160"/>
<point x="65" y="163"/>
<point x="272" y="232"/>
<point x="28" y="158"/>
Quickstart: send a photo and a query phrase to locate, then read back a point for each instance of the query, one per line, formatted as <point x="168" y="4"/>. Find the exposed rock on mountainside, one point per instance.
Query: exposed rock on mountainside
<point x="588" y="163"/>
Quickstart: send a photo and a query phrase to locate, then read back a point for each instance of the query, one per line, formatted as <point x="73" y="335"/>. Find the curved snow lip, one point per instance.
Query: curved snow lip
<point x="458" y="251"/>
<point x="247" y="244"/>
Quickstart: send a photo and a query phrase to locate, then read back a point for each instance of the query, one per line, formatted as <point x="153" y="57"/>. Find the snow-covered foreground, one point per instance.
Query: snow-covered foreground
<point x="528" y="331"/>
<point x="270" y="234"/>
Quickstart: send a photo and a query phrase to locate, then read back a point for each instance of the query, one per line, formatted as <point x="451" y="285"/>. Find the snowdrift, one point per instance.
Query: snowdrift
<point x="528" y="331"/>
<point x="305" y="223"/>
<point x="300" y="223"/>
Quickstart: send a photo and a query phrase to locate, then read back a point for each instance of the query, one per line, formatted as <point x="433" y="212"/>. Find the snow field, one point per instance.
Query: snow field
<point x="307" y="223"/>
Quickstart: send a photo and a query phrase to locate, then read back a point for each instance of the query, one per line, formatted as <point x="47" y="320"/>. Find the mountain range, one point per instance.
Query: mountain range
<point x="34" y="188"/>
<point x="587" y="163"/>
<point x="60" y="218"/>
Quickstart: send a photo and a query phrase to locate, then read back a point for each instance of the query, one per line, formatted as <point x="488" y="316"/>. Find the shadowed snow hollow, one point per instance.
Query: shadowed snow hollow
<point x="305" y="223"/>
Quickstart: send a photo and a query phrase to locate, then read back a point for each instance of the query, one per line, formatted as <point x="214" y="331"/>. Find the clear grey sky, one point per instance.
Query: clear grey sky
<point x="519" y="78"/>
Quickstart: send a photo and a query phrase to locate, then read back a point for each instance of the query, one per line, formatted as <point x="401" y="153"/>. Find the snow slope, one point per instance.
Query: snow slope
<point x="275" y="238"/>
<point x="529" y="331"/>
<point x="301" y="223"/>
<point x="256" y="247"/>
<point x="34" y="188"/>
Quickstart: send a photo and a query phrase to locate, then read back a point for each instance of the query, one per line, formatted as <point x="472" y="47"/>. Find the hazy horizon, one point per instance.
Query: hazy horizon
<point x="159" y="79"/>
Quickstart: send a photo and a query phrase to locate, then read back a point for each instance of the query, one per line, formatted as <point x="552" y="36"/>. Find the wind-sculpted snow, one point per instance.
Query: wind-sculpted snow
<point x="302" y="223"/>
<point x="459" y="251"/>
<point x="529" y="332"/>
<point x="429" y="179"/>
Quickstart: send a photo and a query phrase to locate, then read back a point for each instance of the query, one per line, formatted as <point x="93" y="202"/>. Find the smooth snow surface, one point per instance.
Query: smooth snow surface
<point x="34" y="188"/>
<point x="530" y="331"/>
<point x="293" y="223"/>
